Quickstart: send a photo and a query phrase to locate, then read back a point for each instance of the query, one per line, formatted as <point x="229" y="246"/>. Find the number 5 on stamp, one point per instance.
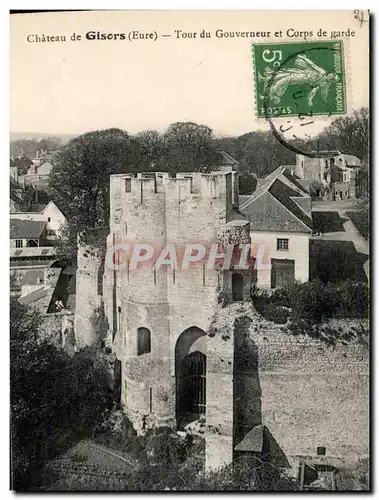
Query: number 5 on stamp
<point x="305" y="78"/>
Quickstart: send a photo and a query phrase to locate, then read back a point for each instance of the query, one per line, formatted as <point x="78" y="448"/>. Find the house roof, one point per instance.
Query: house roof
<point x="45" y="168"/>
<point x="43" y="252"/>
<point x="51" y="204"/>
<point x="236" y="219"/>
<point x="31" y="277"/>
<point x="296" y="182"/>
<point x="326" y="152"/>
<point x="273" y="207"/>
<point x="21" y="162"/>
<point x="14" y="196"/>
<point x="34" y="296"/>
<point x="351" y="161"/>
<point x="42" y="297"/>
<point x="304" y="183"/>
<point x="227" y="158"/>
<point x="25" y="229"/>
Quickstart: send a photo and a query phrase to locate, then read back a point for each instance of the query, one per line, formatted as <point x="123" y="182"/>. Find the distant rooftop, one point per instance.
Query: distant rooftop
<point x="227" y="159"/>
<point x="26" y="229"/>
<point x="33" y="252"/>
<point x="273" y="206"/>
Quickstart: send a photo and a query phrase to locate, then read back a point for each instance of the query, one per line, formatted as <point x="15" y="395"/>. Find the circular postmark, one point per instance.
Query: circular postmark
<point x="300" y="86"/>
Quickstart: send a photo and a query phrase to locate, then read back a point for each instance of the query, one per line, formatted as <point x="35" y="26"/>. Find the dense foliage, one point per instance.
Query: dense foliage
<point x="349" y="134"/>
<point x="360" y="217"/>
<point x="55" y="399"/>
<point x="315" y="301"/>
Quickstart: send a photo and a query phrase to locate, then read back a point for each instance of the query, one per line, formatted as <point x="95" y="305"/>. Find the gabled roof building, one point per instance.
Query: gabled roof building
<point x="279" y="212"/>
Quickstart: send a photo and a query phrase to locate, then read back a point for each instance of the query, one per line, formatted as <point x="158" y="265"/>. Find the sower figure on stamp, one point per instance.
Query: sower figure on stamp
<point x="304" y="72"/>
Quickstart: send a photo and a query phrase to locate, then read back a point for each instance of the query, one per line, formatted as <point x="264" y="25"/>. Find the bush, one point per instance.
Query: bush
<point x="312" y="302"/>
<point x="316" y="189"/>
<point x="315" y="302"/>
<point x="351" y="300"/>
<point x="355" y="477"/>
<point x="361" y="217"/>
<point x="55" y="399"/>
<point x="244" y="476"/>
<point x="276" y="313"/>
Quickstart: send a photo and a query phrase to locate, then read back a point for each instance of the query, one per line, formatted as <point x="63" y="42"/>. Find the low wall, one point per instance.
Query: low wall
<point x="313" y="394"/>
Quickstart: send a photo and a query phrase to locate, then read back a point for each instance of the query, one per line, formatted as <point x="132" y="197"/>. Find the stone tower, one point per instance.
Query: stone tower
<point x="89" y="311"/>
<point x="164" y="320"/>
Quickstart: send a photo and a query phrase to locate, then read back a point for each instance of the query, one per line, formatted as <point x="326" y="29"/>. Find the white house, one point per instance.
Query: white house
<point x="50" y="214"/>
<point x="280" y="218"/>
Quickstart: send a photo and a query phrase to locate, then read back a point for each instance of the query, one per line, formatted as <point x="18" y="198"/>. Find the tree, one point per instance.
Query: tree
<point x="348" y="134"/>
<point x="189" y="147"/>
<point x="262" y="154"/>
<point x="259" y="154"/>
<point x="80" y="177"/>
<point x="50" y="144"/>
<point x="28" y="395"/>
<point x="148" y="150"/>
<point x="55" y="399"/>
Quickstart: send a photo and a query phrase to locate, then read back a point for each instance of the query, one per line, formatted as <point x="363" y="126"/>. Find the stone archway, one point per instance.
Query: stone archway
<point x="190" y="375"/>
<point x="191" y="385"/>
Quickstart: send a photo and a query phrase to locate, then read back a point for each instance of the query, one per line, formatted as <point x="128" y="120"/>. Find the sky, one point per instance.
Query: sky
<point x="76" y="86"/>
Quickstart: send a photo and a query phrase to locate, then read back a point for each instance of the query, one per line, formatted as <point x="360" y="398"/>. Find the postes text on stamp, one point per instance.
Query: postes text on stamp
<point x="305" y="78"/>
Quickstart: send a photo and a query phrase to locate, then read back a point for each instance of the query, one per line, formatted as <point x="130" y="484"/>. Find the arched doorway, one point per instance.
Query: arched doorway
<point x="191" y="390"/>
<point x="237" y="287"/>
<point x="190" y="375"/>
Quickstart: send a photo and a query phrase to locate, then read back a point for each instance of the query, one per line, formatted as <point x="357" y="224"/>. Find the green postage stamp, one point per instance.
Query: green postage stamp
<point x="305" y="78"/>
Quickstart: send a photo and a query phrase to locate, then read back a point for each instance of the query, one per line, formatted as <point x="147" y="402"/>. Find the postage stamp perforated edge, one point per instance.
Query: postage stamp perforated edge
<point x="347" y="76"/>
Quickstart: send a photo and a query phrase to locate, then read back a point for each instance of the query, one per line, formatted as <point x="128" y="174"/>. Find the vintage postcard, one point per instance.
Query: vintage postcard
<point x="189" y="251"/>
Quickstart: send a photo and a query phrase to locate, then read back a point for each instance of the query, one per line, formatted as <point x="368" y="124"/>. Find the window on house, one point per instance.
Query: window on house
<point x="282" y="244"/>
<point x="19" y="243"/>
<point x="128" y="185"/>
<point x="143" y="341"/>
<point x="49" y="219"/>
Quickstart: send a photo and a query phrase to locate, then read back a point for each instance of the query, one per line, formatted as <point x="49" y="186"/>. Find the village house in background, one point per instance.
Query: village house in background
<point x="334" y="170"/>
<point x="37" y="275"/>
<point x="38" y="172"/>
<point x="50" y="221"/>
<point x="29" y="181"/>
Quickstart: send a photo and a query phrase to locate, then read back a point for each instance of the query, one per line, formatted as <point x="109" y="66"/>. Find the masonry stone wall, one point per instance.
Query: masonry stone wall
<point x="314" y="394"/>
<point x="89" y="326"/>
